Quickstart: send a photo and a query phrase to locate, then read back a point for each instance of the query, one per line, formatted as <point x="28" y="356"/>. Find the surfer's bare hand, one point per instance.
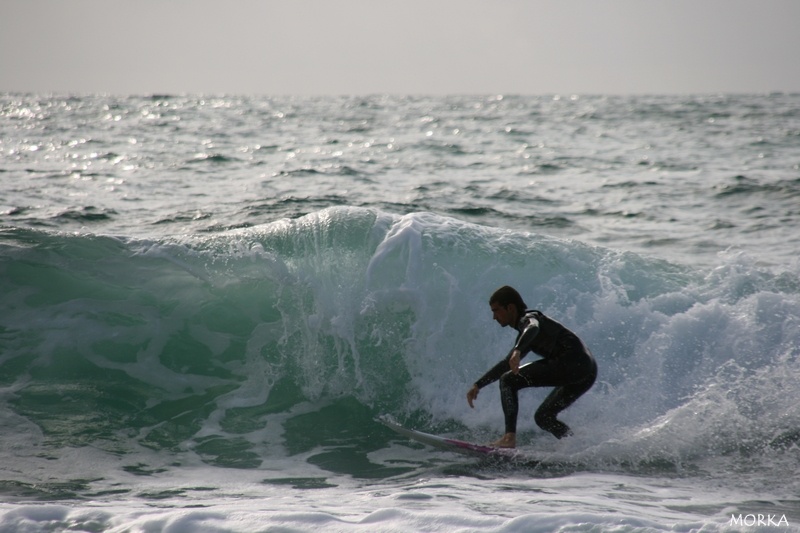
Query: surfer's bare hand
<point x="513" y="361"/>
<point x="472" y="394"/>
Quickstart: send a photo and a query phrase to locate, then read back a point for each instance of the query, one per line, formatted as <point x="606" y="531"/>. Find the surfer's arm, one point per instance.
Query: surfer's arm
<point x="509" y="363"/>
<point x="494" y="373"/>
<point x="529" y="329"/>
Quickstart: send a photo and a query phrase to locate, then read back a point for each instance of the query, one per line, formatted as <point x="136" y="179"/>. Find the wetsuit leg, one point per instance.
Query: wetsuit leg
<point x="558" y="400"/>
<point x="510" y="384"/>
<point x="571" y="381"/>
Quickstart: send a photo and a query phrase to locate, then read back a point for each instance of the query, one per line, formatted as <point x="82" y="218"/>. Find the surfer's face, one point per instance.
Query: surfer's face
<point x="505" y="316"/>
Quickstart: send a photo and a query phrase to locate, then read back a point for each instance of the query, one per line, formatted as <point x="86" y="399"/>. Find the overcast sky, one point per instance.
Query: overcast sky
<point x="400" y="47"/>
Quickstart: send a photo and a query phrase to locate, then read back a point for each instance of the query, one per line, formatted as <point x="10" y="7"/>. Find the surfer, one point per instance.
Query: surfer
<point x="566" y="364"/>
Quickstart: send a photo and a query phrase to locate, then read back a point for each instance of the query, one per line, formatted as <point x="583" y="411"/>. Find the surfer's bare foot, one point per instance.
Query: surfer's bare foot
<point x="509" y="440"/>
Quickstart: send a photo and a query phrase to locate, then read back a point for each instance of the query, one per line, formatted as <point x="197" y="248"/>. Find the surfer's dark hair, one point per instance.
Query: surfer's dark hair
<point x="506" y="296"/>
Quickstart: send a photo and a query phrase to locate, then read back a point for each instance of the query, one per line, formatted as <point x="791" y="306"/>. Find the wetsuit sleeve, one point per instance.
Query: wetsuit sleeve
<point x="530" y="328"/>
<point x="494" y="373"/>
<point x="529" y="331"/>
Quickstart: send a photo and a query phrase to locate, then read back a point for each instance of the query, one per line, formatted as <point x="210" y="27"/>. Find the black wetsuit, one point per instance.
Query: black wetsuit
<point x="566" y="364"/>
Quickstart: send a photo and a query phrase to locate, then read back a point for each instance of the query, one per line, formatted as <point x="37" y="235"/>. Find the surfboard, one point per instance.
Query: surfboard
<point x="454" y="445"/>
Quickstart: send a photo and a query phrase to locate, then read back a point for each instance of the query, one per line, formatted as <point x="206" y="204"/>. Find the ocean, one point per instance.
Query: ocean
<point x="207" y="300"/>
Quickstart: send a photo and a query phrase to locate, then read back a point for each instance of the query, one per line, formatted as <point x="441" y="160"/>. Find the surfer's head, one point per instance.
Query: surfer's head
<point x="507" y="306"/>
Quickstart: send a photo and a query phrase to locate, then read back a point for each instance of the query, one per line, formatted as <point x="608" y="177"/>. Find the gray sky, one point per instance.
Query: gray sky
<point x="401" y="47"/>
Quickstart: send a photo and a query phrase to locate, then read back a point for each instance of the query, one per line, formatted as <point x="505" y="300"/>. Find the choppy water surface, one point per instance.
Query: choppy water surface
<point x="677" y="177"/>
